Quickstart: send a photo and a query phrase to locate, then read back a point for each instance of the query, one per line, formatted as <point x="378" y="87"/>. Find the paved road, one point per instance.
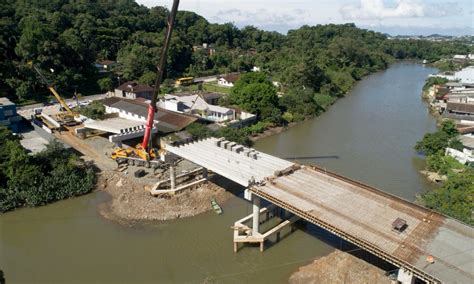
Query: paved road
<point x="27" y="111"/>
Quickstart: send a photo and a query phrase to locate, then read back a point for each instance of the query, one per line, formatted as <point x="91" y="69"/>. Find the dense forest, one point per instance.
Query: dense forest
<point x="70" y="36"/>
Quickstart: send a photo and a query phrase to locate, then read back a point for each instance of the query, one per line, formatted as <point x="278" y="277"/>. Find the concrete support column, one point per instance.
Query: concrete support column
<point x="204" y="173"/>
<point x="172" y="176"/>
<point x="405" y="277"/>
<point x="256" y="213"/>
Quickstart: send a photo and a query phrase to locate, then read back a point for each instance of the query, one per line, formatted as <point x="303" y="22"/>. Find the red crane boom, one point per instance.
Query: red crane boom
<point x="159" y="77"/>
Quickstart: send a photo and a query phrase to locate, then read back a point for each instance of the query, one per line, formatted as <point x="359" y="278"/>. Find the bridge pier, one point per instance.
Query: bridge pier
<point x="172" y="176"/>
<point x="256" y="214"/>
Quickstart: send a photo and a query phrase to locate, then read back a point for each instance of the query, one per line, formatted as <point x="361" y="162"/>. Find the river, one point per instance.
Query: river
<point x="368" y="135"/>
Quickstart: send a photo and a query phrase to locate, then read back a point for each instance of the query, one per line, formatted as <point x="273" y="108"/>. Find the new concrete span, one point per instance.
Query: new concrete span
<point x="423" y="243"/>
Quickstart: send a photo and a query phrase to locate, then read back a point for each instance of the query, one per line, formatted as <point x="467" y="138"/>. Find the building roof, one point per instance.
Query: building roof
<point x="460" y="107"/>
<point x="5" y="102"/>
<point x="204" y="95"/>
<point x="467" y="141"/>
<point x="232" y="78"/>
<point x="220" y="109"/>
<point x="134" y="87"/>
<point x="454" y="84"/>
<point x="168" y="121"/>
<point x="465" y="128"/>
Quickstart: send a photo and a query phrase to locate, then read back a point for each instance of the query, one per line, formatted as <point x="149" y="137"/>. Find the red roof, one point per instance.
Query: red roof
<point x="134" y="87"/>
<point x="232" y="78"/>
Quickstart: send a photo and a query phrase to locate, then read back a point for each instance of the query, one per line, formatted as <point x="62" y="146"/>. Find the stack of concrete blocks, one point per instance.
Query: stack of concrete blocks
<point x="234" y="147"/>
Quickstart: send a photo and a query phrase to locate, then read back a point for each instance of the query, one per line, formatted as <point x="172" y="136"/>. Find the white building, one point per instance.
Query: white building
<point x="195" y="104"/>
<point x="133" y="110"/>
<point x="465" y="76"/>
<point x="228" y="80"/>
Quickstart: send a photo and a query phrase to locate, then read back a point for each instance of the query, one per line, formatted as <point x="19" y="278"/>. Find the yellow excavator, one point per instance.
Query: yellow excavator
<point x="66" y="115"/>
<point x="144" y="154"/>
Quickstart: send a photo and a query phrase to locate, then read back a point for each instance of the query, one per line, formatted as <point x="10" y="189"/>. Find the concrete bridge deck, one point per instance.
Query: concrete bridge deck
<point x="356" y="212"/>
<point x="364" y="216"/>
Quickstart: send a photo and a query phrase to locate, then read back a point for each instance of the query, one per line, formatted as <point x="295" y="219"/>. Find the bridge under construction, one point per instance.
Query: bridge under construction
<point x="422" y="243"/>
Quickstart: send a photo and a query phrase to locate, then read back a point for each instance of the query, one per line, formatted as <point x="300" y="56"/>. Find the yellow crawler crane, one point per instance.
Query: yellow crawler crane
<point x="144" y="154"/>
<point x="66" y="116"/>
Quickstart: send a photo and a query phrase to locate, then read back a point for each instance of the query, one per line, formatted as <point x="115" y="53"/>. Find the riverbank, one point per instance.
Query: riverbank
<point x="339" y="267"/>
<point x="131" y="202"/>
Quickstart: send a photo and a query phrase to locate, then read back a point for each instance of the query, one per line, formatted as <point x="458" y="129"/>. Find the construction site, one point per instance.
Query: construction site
<point x="153" y="170"/>
<point x="127" y="145"/>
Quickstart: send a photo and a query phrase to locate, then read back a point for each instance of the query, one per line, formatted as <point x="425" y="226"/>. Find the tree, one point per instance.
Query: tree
<point x="254" y="93"/>
<point x="449" y="127"/>
<point x="198" y="130"/>
<point x="432" y="143"/>
<point x="148" y="78"/>
<point x="51" y="175"/>
<point x="454" y="198"/>
<point x="106" y="84"/>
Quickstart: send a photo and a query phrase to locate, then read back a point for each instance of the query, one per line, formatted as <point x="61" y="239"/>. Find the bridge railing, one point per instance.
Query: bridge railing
<point x="361" y="243"/>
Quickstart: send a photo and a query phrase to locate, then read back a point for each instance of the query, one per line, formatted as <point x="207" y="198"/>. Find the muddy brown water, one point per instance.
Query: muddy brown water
<point x="369" y="136"/>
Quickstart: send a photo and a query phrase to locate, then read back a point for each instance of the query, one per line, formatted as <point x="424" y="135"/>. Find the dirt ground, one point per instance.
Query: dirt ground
<point x="131" y="202"/>
<point x="339" y="267"/>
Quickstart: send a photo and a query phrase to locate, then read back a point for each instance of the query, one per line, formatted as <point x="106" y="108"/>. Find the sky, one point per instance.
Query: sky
<point x="395" y="17"/>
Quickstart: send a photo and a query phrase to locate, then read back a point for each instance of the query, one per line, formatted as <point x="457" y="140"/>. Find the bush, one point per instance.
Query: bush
<point x="105" y="84"/>
<point x="95" y="110"/>
<point x="455" y="198"/>
<point x="236" y="135"/>
<point x="48" y="176"/>
<point x="434" y="81"/>
<point x="324" y="101"/>
<point x="198" y="130"/>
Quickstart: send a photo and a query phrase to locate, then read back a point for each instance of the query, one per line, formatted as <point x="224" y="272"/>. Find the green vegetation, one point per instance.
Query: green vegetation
<point x="455" y="196"/>
<point x="254" y="93"/>
<point x="449" y="65"/>
<point x="213" y="87"/>
<point x="105" y="84"/>
<point x="48" y="176"/>
<point x="241" y="136"/>
<point x="432" y="143"/>
<point x="198" y="130"/>
<point x="95" y="110"/>
<point x="434" y="81"/>
<point x="70" y="36"/>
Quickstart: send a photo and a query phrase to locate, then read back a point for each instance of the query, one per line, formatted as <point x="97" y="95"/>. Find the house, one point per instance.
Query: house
<point x="465" y="76"/>
<point x="104" y="66"/>
<point x="460" y="57"/>
<point x="228" y="80"/>
<point x="8" y="115"/>
<point x="166" y="121"/>
<point x="197" y="105"/>
<point x="133" y="90"/>
<point x="460" y="108"/>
